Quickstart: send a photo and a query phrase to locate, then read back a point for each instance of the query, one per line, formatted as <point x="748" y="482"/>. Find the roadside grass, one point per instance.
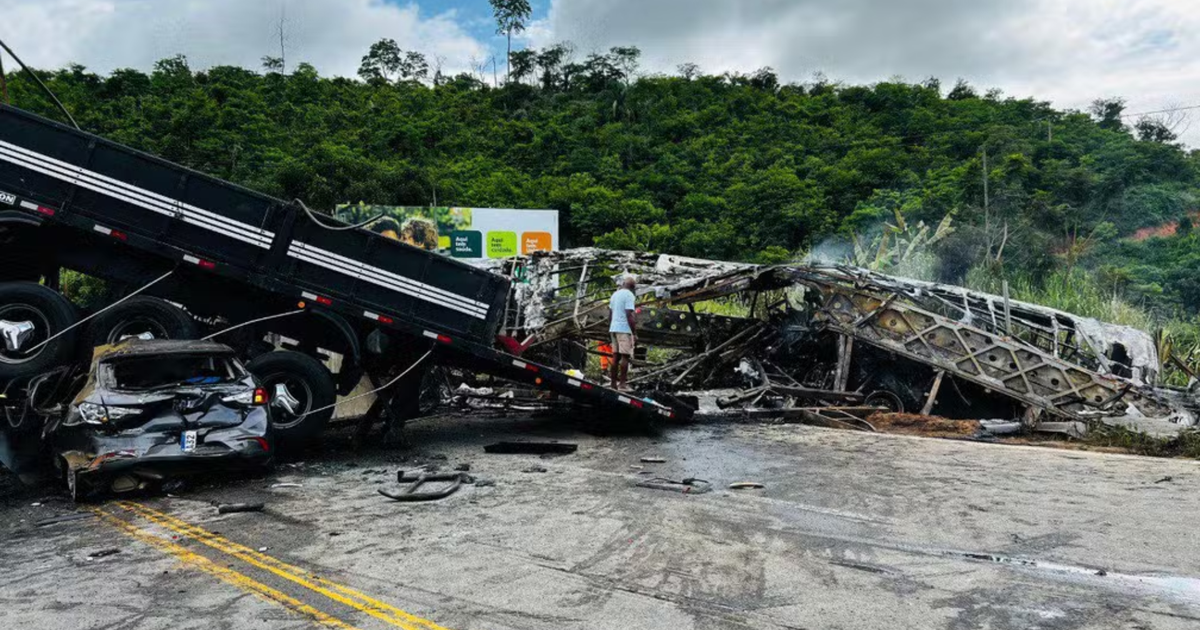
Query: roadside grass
<point x="1185" y="444"/>
<point x="1074" y="290"/>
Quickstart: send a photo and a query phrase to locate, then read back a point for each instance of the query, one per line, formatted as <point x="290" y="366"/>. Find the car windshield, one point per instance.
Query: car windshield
<point x="154" y="372"/>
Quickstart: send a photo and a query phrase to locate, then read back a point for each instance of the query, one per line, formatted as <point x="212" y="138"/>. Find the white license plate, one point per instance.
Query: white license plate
<point x="188" y="441"/>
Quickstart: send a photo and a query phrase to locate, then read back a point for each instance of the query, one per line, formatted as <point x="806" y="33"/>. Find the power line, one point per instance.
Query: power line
<point x="37" y="80"/>
<point x="1162" y="111"/>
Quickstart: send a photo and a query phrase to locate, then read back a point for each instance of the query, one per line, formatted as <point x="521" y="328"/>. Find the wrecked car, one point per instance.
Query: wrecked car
<point x="154" y="410"/>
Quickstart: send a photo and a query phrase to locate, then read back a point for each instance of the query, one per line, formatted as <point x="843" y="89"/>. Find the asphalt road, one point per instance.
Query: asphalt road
<point x="850" y="531"/>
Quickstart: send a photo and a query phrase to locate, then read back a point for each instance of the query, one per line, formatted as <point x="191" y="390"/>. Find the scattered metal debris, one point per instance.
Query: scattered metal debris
<point x="531" y="448"/>
<point x="745" y="485"/>
<point x="691" y="485"/>
<point x="65" y="518"/>
<point x="103" y="553"/>
<point x="231" y="508"/>
<point x="411" y="493"/>
<point x="653" y="460"/>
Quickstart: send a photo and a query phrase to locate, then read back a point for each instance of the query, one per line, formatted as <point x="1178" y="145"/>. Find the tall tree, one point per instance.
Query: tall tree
<point x="625" y="60"/>
<point x="511" y="16"/>
<point x="413" y="66"/>
<point x="382" y="61"/>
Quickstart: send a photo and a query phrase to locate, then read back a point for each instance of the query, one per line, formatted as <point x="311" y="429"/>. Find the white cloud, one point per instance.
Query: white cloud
<point x="330" y="34"/>
<point x="1066" y="51"/>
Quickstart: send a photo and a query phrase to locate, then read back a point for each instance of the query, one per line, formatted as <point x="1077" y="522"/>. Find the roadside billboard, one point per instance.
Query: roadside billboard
<point x="461" y="232"/>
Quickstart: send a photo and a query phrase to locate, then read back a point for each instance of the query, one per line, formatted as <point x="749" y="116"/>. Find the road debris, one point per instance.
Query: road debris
<point x="690" y="485"/>
<point x="531" y="448"/>
<point x="653" y="460"/>
<point x="411" y="492"/>
<point x="65" y="518"/>
<point x="745" y="485"/>
<point x="232" y="508"/>
<point x="103" y="553"/>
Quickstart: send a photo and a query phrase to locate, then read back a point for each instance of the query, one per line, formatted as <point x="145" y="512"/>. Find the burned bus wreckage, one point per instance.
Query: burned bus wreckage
<point x="839" y="342"/>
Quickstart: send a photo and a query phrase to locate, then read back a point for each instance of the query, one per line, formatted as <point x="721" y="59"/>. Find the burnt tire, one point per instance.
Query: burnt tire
<point x="885" y="399"/>
<point x="137" y="315"/>
<point x="49" y="313"/>
<point x="307" y="382"/>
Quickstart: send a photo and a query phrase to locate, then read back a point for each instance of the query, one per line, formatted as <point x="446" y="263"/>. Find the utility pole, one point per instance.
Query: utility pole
<point x="1049" y="131"/>
<point x="282" y="39"/>
<point x="985" y="180"/>
<point x="987" y="210"/>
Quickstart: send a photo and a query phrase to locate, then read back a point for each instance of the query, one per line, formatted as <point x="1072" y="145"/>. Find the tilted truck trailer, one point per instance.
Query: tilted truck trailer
<point x="72" y="200"/>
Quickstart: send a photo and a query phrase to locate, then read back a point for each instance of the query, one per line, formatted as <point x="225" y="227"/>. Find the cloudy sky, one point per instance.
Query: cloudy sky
<point x="1066" y="51"/>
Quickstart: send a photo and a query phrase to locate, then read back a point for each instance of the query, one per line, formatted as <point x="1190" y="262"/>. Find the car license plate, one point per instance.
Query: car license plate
<point x="188" y="441"/>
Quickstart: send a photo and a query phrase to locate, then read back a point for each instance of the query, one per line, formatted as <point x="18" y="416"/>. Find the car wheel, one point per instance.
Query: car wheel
<point x="144" y="317"/>
<point x="30" y="314"/>
<point x="297" y="385"/>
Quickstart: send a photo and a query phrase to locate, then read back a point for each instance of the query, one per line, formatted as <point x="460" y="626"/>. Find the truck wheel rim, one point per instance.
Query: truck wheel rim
<point x="138" y="327"/>
<point x="41" y="332"/>
<point x="298" y="387"/>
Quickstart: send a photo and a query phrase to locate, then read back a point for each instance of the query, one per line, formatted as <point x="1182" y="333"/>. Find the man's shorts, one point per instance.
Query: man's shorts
<point x="622" y="343"/>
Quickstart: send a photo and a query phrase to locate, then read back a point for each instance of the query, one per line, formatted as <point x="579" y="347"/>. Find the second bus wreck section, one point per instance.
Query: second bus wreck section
<point x="798" y="336"/>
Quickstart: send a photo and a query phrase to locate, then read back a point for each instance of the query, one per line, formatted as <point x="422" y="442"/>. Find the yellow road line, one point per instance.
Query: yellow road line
<point x="337" y="592"/>
<point x="225" y="574"/>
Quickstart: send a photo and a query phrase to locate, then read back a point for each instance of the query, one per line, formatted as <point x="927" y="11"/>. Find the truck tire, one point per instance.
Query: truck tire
<point x="307" y="382"/>
<point x="141" y="314"/>
<point x="49" y="313"/>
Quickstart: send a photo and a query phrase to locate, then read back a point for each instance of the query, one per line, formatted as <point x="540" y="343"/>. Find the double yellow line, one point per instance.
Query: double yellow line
<point x="336" y="592"/>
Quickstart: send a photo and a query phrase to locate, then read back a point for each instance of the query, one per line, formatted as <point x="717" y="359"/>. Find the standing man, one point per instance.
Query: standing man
<point x="623" y="331"/>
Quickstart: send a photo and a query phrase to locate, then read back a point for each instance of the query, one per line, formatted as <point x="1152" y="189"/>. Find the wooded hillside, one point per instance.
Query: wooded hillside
<point x="731" y="167"/>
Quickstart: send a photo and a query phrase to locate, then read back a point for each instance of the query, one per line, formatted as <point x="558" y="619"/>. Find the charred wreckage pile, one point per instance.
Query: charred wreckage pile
<point x="834" y="344"/>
